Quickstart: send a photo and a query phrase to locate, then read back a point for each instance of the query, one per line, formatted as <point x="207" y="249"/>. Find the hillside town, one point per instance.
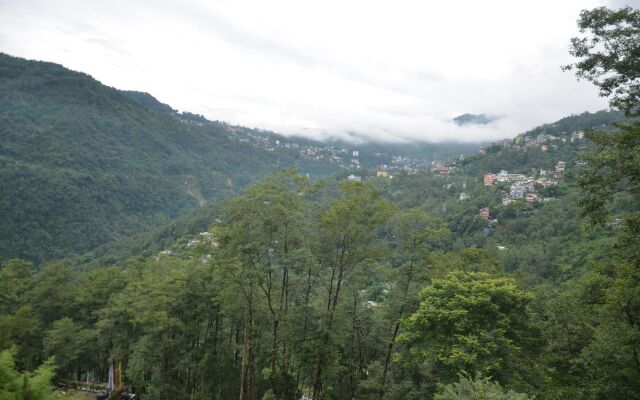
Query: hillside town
<point x="521" y="187"/>
<point x="348" y="158"/>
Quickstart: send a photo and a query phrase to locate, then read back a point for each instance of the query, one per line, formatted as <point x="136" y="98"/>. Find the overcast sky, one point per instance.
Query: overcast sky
<point x="390" y="70"/>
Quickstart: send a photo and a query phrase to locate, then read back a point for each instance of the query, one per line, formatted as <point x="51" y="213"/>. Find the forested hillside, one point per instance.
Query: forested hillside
<point x="83" y="165"/>
<point x="408" y="188"/>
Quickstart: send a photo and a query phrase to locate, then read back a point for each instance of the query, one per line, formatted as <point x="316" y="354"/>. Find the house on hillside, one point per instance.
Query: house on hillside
<point x="517" y="192"/>
<point x="484" y="213"/>
<point x="489" y="179"/>
<point x="502" y="176"/>
<point x="560" y="167"/>
<point x="442" y="169"/>
<point x="577" y="136"/>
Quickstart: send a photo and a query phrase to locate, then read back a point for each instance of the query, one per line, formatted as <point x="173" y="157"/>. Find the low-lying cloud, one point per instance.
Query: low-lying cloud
<point x="387" y="71"/>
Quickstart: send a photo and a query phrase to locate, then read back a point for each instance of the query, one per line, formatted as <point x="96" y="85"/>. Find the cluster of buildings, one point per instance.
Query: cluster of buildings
<point x="441" y="168"/>
<point x="203" y="238"/>
<point x="409" y="165"/>
<point x="310" y="152"/>
<point x="523" y="186"/>
<point x="521" y="189"/>
<point x="206" y="242"/>
<point x="330" y="153"/>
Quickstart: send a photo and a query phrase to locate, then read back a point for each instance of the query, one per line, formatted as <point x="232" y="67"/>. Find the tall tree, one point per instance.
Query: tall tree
<point x="69" y="343"/>
<point x="261" y="234"/>
<point x="609" y="57"/>
<point x="15" y="283"/>
<point x="54" y="291"/>
<point x="608" y="54"/>
<point x="415" y="232"/>
<point x="346" y="233"/>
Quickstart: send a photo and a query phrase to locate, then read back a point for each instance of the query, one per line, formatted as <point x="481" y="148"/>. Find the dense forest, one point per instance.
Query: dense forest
<point x="422" y="286"/>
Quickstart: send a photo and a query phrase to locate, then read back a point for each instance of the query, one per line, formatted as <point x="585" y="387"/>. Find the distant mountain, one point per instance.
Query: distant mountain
<point x="473" y="119"/>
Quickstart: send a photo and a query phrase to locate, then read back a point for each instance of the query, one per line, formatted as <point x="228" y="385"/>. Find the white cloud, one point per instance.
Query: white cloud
<point x="386" y="70"/>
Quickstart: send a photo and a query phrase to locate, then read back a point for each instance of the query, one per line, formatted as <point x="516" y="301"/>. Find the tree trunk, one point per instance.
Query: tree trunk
<point x="392" y="342"/>
<point x="274" y="354"/>
<point x="247" y="376"/>
<point x="283" y="373"/>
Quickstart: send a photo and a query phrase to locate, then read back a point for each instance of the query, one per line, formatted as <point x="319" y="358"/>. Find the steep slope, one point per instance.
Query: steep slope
<point x="82" y="164"/>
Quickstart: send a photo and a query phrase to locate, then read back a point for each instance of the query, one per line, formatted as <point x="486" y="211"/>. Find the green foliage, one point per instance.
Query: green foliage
<point x="478" y="389"/>
<point x="34" y="385"/>
<point x="613" y="171"/>
<point x="610" y="359"/>
<point x="305" y="294"/>
<point x="471" y="322"/>
<point x="15" y="281"/>
<point x="54" y="292"/>
<point x="601" y="361"/>
<point x="607" y="54"/>
<point x="68" y="342"/>
<point x="22" y="329"/>
<point x="10" y="382"/>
